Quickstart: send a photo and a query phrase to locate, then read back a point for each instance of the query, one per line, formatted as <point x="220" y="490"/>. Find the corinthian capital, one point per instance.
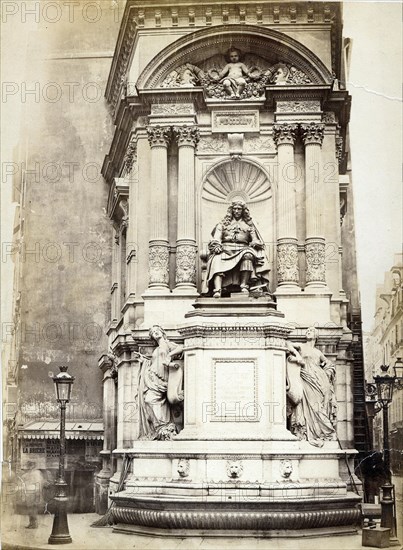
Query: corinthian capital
<point x="186" y="135"/>
<point x="158" y="136"/>
<point x="284" y="134"/>
<point x="312" y="133"/>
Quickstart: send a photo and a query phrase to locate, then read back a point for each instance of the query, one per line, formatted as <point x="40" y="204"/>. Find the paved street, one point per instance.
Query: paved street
<point x="15" y="536"/>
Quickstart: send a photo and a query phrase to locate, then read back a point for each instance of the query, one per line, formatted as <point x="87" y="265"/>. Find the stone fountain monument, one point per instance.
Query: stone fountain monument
<point x="228" y="382"/>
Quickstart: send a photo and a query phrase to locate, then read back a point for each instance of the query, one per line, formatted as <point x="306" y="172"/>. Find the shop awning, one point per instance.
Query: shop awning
<point x="51" y="430"/>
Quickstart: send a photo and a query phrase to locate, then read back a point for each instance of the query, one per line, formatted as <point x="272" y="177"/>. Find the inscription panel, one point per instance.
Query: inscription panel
<point x="235" y="390"/>
<point x="235" y="121"/>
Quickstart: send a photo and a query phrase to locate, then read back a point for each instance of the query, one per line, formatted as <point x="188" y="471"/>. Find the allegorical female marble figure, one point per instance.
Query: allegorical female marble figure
<point x="313" y="415"/>
<point x="236" y="256"/>
<point x="154" y="399"/>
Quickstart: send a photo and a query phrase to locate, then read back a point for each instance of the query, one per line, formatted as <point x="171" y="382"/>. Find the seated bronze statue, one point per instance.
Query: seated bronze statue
<point x="236" y="259"/>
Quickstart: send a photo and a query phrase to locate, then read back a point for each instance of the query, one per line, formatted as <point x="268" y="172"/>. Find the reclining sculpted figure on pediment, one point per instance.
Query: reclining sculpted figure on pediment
<point x="235" y="76"/>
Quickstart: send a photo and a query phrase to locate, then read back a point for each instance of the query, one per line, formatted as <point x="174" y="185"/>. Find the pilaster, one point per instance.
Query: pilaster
<point x="159" y="137"/>
<point x="312" y="136"/>
<point x="287" y="244"/>
<point x="187" y="138"/>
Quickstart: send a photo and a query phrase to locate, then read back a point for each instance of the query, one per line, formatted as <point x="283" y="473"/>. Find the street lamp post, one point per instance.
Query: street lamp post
<point x="60" y="532"/>
<point x="385" y="384"/>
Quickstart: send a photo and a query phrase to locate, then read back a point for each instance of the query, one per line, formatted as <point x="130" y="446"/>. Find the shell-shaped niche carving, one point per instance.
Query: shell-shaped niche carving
<point x="236" y="179"/>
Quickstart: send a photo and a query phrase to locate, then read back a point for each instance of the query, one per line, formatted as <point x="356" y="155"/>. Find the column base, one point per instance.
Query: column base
<point x="157" y="290"/>
<point x="317" y="287"/>
<point x="287" y="288"/>
<point x="184" y="289"/>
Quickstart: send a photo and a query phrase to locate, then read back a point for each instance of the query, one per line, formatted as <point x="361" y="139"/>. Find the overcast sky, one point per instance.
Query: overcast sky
<point x="375" y="82"/>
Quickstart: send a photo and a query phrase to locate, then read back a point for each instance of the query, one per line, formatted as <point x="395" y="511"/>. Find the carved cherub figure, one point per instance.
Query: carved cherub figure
<point x="232" y="75"/>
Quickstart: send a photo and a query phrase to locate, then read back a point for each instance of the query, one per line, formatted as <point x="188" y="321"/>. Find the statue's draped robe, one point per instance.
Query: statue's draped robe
<point x="312" y="416"/>
<point x="235" y="240"/>
<point x="154" y="409"/>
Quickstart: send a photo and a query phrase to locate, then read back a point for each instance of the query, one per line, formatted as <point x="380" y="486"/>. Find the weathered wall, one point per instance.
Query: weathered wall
<point x="66" y="245"/>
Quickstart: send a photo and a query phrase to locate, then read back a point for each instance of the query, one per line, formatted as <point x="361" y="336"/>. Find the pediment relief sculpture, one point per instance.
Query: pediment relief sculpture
<point x="235" y="76"/>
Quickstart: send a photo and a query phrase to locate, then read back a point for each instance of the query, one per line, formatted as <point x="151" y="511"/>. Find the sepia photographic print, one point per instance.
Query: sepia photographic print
<point x="202" y="274"/>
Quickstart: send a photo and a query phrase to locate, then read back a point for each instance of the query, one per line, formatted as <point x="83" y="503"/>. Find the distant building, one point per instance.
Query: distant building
<point x="383" y="346"/>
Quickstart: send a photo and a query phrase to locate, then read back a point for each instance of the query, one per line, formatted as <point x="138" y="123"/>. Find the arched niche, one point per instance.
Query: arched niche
<point x="237" y="179"/>
<point x="269" y="45"/>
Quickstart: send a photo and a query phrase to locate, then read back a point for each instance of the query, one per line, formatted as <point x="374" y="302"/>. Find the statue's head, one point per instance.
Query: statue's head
<point x="234" y="55"/>
<point x="312" y="333"/>
<point x="237" y="209"/>
<point x="156" y="333"/>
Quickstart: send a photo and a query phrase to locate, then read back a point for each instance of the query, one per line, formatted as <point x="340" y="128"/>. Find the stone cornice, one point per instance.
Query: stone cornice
<point x="238" y="330"/>
<point x="139" y="16"/>
<point x="118" y="195"/>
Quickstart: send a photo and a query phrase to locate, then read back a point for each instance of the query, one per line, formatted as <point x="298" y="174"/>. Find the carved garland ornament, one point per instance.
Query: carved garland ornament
<point x="215" y="144"/>
<point x="186" y="264"/>
<point x="235" y="79"/>
<point x="287" y="263"/>
<point x="172" y="109"/>
<point x="315" y="262"/>
<point x="298" y="107"/>
<point x="261" y="144"/>
<point x="159" y="264"/>
<point x="130" y="155"/>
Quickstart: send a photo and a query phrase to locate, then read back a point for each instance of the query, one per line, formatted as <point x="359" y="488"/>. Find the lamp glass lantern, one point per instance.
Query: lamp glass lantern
<point x="398" y="368"/>
<point x="63" y="383"/>
<point x="384" y="385"/>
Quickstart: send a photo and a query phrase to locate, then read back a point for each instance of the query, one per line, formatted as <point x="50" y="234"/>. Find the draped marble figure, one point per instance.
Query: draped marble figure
<point x="160" y="387"/>
<point x="311" y="391"/>
<point x="236" y="254"/>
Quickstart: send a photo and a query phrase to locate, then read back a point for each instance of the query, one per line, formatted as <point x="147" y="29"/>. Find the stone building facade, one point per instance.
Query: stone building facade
<point x="58" y="249"/>
<point x="384" y="346"/>
<point x="211" y="104"/>
<point x="98" y="261"/>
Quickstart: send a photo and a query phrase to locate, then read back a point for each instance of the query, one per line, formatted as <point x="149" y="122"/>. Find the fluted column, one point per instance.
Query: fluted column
<point x="158" y="137"/>
<point x="185" y="276"/>
<point x="312" y="136"/>
<point x="287" y="244"/>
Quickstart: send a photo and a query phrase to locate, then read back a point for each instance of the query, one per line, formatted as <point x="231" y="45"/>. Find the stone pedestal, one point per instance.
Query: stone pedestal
<point x="235" y="465"/>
